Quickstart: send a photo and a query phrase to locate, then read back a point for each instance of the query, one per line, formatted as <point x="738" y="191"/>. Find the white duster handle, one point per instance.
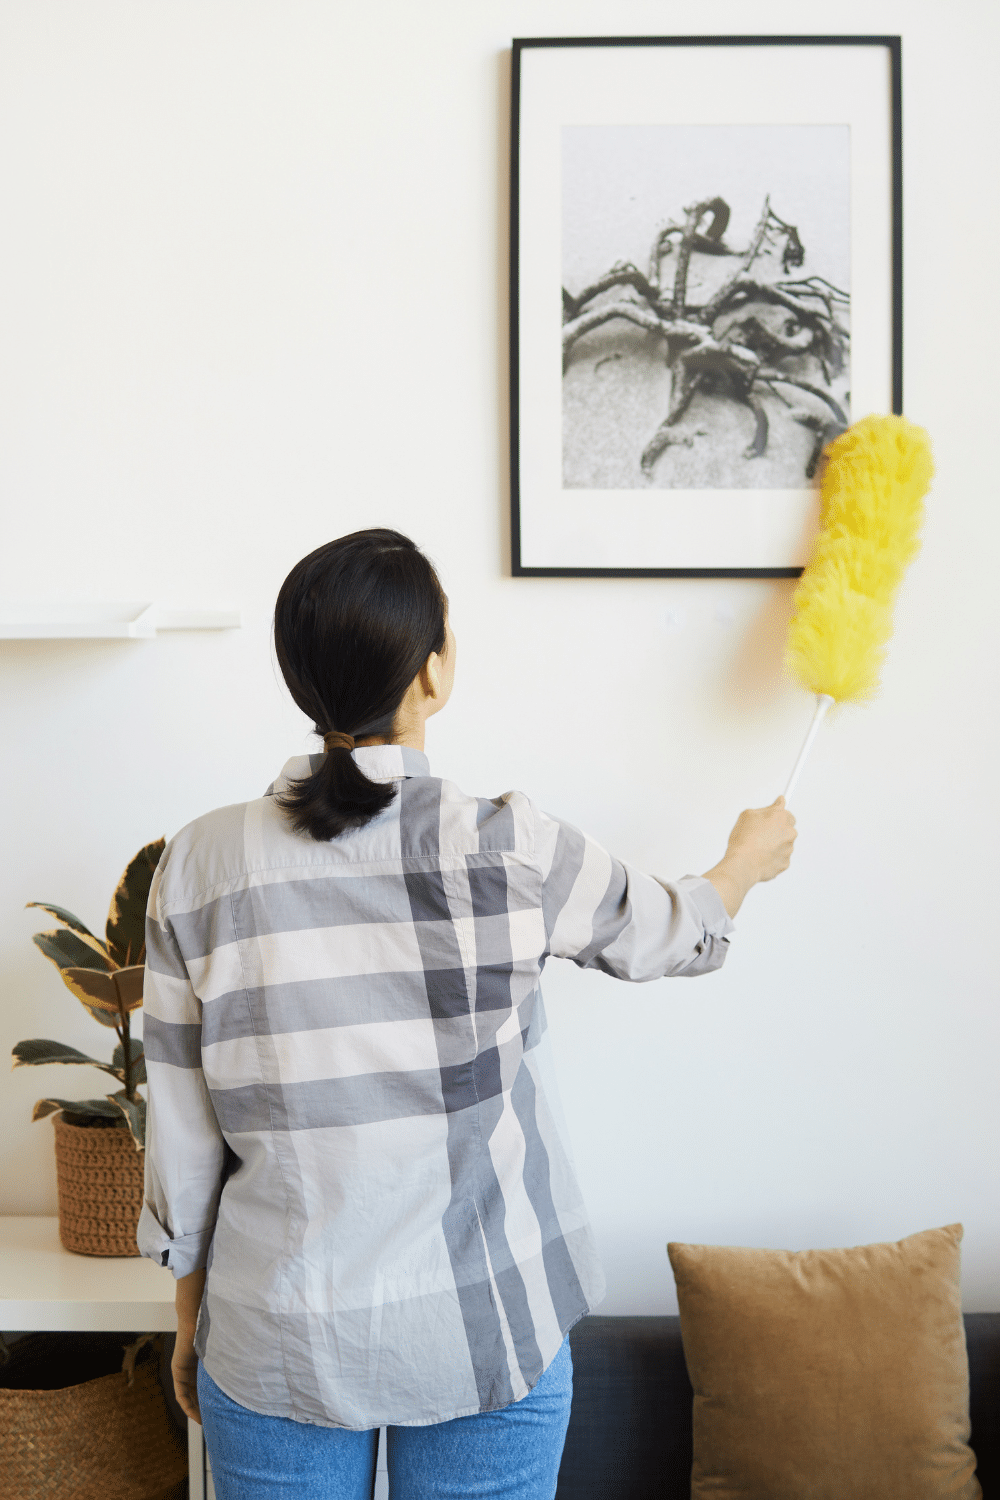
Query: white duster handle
<point x="823" y="702"/>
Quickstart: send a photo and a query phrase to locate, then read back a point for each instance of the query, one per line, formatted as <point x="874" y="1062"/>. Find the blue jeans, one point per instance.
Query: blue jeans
<point x="513" y="1453"/>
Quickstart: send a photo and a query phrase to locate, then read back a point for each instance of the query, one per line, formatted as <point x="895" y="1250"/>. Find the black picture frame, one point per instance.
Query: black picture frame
<point x="524" y="565"/>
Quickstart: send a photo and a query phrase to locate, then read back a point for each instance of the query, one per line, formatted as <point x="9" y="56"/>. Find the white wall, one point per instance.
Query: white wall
<point x="254" y="296"/>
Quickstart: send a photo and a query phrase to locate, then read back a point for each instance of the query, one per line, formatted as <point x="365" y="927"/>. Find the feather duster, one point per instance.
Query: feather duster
<point x="871" y="506"/>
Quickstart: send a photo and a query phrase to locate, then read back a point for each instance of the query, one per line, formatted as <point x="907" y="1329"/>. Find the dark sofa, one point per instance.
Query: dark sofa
<point x="630" y="1432"/>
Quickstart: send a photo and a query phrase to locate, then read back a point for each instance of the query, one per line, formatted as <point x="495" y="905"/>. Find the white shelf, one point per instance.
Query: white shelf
<point x="44" y="1286"/>
<point x="99" y="620"/>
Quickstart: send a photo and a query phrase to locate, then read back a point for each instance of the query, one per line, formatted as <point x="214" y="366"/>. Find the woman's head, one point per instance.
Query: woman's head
<point x="361" y="636"/>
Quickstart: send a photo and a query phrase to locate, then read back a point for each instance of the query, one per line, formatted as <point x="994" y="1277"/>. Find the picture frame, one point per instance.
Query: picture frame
<point x="722" y="218"/>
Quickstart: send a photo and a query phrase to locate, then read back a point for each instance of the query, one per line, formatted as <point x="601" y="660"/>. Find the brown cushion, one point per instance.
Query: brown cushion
<point x="828" y="1374"/>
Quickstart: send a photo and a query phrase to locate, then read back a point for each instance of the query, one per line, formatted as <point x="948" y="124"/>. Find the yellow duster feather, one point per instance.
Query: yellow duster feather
<point x="871" y="507"/>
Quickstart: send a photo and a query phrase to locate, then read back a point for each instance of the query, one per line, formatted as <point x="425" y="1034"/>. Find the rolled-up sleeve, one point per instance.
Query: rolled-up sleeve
<point x="602" y="914"/>
<point x="185" y="1148"/>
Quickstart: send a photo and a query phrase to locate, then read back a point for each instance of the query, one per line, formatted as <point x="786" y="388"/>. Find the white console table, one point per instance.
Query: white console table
<point x="44" y="1286"/>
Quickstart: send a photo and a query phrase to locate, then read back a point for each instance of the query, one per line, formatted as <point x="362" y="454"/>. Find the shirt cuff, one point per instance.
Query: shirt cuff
<point x="716" y="924"/>
<point x="709" y="905"/>
<point x="181" y="1254"/>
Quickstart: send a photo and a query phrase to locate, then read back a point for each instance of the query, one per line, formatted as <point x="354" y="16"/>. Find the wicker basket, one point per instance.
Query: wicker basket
<point x="100" y="1176"/>
<point x="99" y="1440"/>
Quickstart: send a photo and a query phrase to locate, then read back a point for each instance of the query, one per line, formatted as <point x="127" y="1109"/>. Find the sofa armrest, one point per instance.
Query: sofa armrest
<point x="630" y="1428"/>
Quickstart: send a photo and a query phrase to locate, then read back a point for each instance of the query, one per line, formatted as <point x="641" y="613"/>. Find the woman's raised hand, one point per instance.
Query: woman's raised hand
<point x="759" y="848"/>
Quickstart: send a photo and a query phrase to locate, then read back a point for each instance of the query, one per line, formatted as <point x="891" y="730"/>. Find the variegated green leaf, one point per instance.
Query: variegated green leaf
<point x="134" y="1052"/>
<point x="138" y="1061"/>
<point x="62" y="915"/>
<point x="128" y="983"/>
<point x="35" y="1053"/>
<point x="97" y="992"/>
<point x="135" y="1115"/>
<point x="69" y="951"/>
<point x="75" y="1107"/>
<point x="126" y="929"/>
<point x="97" y="945"/>
<point x="106" y="1017"/>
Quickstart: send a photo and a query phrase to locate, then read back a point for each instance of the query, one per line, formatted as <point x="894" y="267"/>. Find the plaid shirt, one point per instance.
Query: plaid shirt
<point x="350" y="1119"/>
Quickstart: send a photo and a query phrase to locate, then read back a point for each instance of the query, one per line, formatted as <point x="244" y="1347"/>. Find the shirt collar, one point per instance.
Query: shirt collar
<point x="378" y="762"/>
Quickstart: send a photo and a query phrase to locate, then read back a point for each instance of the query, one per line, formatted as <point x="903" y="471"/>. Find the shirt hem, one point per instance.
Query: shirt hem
<point x="466" y="1411"/>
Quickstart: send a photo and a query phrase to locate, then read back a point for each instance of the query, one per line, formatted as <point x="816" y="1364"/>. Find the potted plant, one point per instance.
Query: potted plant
<point x="99" y="1142"/>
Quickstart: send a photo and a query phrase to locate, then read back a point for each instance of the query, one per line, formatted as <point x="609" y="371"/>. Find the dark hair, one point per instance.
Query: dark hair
<point x="354" y="623"/>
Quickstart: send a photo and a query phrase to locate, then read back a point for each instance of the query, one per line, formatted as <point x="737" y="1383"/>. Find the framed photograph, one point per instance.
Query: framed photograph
<point x="706" y="287"/>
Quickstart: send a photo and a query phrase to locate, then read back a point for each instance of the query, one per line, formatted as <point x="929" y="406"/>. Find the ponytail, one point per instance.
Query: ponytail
<point x="335" y="797"/>
<point x="353" y="624"/>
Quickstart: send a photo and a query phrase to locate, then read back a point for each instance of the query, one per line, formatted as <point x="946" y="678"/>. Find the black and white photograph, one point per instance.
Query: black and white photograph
<point x="705" y="303"/>
<point x="705" y="290"/>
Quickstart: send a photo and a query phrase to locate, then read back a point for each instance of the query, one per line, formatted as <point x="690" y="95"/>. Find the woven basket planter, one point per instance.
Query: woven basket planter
<point x="100" y="1177"/>
<point x="100" y="1440"/>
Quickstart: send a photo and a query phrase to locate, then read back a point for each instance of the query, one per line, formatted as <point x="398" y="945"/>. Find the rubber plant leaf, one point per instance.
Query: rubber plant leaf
<point x="128" y="983"/>
<point x="74" y="1107"/>
<point x="69" y="951"/>
<point x="35" y="1053"/>
<point x="134" y="1111"/>
<point x="62" y="915"/>
<point x="126" y="929"/>
<point x="97" y="992"/>
<point x="138" y="1061"/>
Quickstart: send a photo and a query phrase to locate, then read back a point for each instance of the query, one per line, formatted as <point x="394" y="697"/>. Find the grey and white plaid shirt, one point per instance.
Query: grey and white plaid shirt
<point x="350" y="1120"/>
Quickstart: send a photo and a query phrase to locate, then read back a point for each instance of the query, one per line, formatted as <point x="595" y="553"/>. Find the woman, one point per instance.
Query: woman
<point x="353" y="1167"/>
